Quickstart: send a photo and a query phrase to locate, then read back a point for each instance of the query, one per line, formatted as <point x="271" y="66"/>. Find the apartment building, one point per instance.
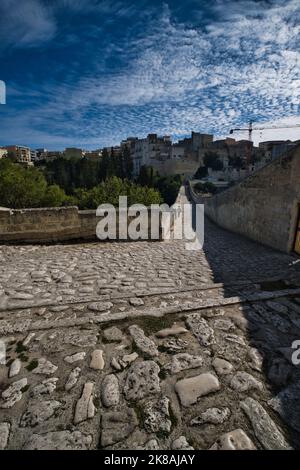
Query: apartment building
<point x="93" y="154"/>
<point x="20" y="154"/>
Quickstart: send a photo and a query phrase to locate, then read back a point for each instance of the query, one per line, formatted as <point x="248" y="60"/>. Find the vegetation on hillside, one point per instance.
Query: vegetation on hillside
<point x="84" y="183"/>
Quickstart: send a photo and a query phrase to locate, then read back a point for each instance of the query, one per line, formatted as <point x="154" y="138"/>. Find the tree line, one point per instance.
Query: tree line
<point x="85" y="183"/>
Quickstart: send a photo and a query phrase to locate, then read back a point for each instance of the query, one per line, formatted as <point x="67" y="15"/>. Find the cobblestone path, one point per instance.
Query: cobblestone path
<point x="149" y="346"/>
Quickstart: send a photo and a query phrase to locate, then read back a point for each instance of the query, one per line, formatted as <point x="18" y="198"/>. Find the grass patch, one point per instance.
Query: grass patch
<point x="32" y="365"/>
<point x="151" y="325"/>
<point x="23" y="357"/>
<point x="20" y="347"/>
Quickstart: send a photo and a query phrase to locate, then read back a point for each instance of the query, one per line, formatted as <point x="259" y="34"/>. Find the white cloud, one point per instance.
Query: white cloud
<point x="24" y="23"/>
<point x="179" y="77"/>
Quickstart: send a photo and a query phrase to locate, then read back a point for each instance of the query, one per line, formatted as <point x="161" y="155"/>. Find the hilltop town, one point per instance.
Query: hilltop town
<point x="227" y="160"/>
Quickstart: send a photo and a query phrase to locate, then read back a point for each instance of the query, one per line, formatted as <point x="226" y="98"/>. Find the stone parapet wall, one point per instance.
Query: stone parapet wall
<point x="264" y="207"/>
<point x="50" y="225"/>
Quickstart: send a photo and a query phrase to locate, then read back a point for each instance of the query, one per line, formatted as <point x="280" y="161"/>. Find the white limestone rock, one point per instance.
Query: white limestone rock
<point x="15" y="368"/>
<point x="144" y="344"/>
<point x="200" y="329"/>
<point x="181" y="444"/>
<point x="110" y="391"/>
<point x="45" y="367"/>
<point x="113" y="334"/>
<point x="173" y="331"/>
<point x="46" y="387"/>
<point x="100" y="306"/>
<point x="212" y="416"/>
<point x="242" y="382"/>
<point x="136" y="301"/>
<point x="233" y="440"/>
<point x="183" y="361"/>
<point x="221" y="366"/>
<point x="72" y="379"/>
<point x="4" y="435"/>
<point x="75" y="357"/>
<point x="264" y="427"/>
<point x="142" y="380"/>
<point x="191" y="389"/>
<point x="13" y="393"/>
<point x="156" y="415"/>
<point x="97" y="361"/>
<point x="85" y="408"/>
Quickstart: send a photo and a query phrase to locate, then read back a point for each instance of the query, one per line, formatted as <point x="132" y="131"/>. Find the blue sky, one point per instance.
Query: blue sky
<point x="88" y="73"/>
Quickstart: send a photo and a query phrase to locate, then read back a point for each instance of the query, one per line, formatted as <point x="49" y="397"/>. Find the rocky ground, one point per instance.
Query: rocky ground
<point x="149" y="346"/>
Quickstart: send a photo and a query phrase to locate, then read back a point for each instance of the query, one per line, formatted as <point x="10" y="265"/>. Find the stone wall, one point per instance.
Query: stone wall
<point x="51" y="225"/>
<point x="265" y="206"/>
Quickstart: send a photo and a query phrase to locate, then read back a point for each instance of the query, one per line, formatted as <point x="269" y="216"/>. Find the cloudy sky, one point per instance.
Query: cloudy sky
<point x="89" y="73"/>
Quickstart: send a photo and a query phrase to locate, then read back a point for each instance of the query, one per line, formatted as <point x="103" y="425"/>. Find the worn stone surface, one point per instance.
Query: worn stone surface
<point x="4" y="435"/>
<point x="72" y="379"/>
<point x="264" y="427"/>
<point x="113" y="334"/>
<point x="110" y="391"/>
<point x="45" y="367"/>
<point x="59" y="440"/>
<point x="75" y="357"/>
<point x="212" y="416"/>
<point x="13" y="393"/>
<point x="144" y="344"/>
<point x="117" y="425"/>
<point x="46" y="387"/>
<point x="85" y="408"/>
<point x="156" y="415"/>
<point x="142" y="380"/>
<point x="60" y="303"/>
<point x="234" y="440"/>
<point x="287" y="405"/>
<point x="191" y="389"/>
<point x="97" y="360"/>
<point x="221" y="366"/>
<point x="242" y="382"/>
<point x="201" y="329"/>
<point x="38" y="412"/>
<point x="15" y="368"/>
<point x="181" y="444"/>
<point x="183" y="361"/>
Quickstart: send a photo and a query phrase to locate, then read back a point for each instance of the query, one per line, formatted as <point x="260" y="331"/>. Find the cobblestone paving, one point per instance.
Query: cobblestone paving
<point x="149" y="346"/>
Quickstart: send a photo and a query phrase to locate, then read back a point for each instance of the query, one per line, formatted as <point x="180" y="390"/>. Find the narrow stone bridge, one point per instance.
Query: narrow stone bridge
<point x="149" y="346"/>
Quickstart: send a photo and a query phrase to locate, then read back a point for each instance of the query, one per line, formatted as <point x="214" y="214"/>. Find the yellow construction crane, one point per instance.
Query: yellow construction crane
<point x="250" y="129"/>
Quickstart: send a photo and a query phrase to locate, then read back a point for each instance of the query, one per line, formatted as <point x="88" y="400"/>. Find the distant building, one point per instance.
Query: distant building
<point x="178" y="152"/>
<point x="20" y="153"/>
<point x="93" y="154"/>
<point x="149" y="150"/>
<point x="48" y="156"/>
<point x="274" y="148"/>
<point x="3" y="153"/>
